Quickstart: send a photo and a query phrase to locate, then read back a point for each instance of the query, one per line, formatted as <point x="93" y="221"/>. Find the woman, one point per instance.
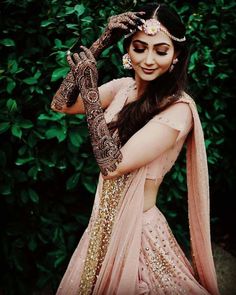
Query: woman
<point x="137" y="128"/>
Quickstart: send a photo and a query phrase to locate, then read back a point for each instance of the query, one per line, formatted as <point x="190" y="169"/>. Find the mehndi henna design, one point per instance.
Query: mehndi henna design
<point x="105" y="146"/>
<point x="117" y="26"/>
<point x="67" y="93"/>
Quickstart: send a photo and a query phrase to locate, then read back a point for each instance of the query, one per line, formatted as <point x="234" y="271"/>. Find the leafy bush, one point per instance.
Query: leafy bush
<point x="48" y="173"/>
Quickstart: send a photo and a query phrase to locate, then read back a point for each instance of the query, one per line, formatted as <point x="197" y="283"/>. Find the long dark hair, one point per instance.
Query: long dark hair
<point x="164" y="90"/>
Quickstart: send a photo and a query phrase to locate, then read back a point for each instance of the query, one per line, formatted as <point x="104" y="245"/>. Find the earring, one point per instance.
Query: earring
<point x="127" y="62"/>
<point x="173" y="64"/>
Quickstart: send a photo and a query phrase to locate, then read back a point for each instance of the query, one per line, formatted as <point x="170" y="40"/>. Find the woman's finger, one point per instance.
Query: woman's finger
<point x="82" y="55"/>
<point x="121" y="26"/>
<point x="76" y="57"/>
<point x="88" y="53"/>
<point x="70" y="61"/>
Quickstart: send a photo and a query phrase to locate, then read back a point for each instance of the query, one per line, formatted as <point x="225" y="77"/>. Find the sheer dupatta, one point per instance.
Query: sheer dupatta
<point x="198" y="204"/>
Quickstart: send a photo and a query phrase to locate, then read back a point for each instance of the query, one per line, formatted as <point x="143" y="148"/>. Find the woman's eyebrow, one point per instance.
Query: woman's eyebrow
<point x="144" y="43"/>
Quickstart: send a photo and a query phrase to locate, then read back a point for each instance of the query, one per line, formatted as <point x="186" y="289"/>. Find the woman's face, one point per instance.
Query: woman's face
<point x="151" y="56"/>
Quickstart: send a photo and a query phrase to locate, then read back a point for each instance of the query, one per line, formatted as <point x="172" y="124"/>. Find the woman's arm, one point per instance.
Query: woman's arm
<point x="67" y="98"/>
<point x="158" y="135"/>
<point x="106" y="91"/>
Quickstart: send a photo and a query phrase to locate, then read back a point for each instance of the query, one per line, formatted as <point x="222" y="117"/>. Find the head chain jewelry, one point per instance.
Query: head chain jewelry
<point x="152" y="26"/>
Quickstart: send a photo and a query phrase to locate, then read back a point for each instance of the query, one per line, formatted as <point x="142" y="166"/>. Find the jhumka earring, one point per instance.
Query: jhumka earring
<point x="127" y="62"/>
<point x="173" y="64"/>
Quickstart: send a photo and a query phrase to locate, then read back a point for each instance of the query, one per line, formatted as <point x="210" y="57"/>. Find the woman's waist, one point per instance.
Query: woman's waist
<point x="151" y="188"/>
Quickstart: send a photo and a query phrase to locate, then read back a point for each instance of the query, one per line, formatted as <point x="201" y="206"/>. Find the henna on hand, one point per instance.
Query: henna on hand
<point x="117" y="26"/>
<point x="67" y="93"/>
<point x="105" y="146"/>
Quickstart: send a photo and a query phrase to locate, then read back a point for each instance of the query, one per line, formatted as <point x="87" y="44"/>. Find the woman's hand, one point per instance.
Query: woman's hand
<point x="84" y="69"/>
<point x="105" y="148"/>
<point x="118" y="25"/>
<point x="123" y="23"/>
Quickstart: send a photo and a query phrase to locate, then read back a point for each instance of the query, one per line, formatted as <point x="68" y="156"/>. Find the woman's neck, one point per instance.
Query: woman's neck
<point x="141" y="85"/>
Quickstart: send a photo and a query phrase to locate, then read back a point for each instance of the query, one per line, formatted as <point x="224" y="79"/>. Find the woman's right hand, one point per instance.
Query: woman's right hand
<point x="123" y="23"/>
<point x="118" y="25"/>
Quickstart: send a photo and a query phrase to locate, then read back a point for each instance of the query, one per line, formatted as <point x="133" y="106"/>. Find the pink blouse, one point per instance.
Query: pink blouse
<point x="173" y="117"/>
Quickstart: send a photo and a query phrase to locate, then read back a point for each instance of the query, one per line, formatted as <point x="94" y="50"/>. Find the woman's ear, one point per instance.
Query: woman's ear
<point x="176" y="54"/>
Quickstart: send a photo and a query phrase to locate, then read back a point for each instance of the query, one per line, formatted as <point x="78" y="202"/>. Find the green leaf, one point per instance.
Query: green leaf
<point x="16" y="131"/>
<point x="11" y="84"/>
<point x="26" y="124"/>
<point x="11" y="105"/>
<point x="5" y="189"/>
<point x="75" y="138"/>
<point x="59" y="73"/>
<point x="59" y="133"/>
<point x="7" y="42"/>
<point x="72" y="26"/>
<point x="89" y="183"/>
<point x="4" y="127"/>
<point x="22" y="161"/>
<point x="46" y="23"/>
<point x="79" y="9"/>
<point x="72" y="181"/>
<point x="51" y="117"/>
<point x="13" y="66"/>
<point x="33" y="195"/>
<point x="33" y="172"/>
<point x="30" y="81"/>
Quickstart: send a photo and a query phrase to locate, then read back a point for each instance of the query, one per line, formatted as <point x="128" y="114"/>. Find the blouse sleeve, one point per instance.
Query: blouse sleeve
<point x="110" y="89"/>
<point x="177" y="116"/>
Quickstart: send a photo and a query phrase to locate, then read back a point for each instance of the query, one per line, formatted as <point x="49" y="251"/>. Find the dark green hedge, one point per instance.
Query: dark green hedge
<point x="48" y="173"/>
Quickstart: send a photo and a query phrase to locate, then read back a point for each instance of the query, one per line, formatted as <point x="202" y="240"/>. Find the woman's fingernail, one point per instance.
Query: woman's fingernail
<point x="68" y="52"/>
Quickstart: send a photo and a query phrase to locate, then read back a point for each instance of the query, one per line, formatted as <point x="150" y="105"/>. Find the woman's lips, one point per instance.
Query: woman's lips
<point x="148" y="71"/>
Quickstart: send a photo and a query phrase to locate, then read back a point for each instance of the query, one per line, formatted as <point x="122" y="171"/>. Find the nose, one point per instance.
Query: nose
<point x="149" y="59"/>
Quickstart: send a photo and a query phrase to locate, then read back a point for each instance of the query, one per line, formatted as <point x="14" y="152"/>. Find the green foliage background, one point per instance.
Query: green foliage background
<point x="48" y="174"/>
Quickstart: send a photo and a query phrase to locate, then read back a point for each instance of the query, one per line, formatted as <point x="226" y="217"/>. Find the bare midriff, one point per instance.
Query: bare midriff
<point x="151" y="188"/>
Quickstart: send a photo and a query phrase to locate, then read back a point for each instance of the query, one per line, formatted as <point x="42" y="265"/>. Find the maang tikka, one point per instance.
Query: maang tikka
<point x="152" y="26"/>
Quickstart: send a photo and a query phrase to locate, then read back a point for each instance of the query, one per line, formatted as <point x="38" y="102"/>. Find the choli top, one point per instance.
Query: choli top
<point x="177" y="116"/>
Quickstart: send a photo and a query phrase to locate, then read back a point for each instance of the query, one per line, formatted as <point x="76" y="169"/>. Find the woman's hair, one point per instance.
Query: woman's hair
<point x="162" y="91"/>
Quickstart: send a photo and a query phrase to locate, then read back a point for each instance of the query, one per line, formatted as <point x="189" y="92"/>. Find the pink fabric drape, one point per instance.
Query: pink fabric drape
<point x="198" y="204"/>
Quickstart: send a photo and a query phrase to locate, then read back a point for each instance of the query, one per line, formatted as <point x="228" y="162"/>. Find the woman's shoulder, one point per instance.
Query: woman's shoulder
<point x="122" y="80"/>
<point x="186" y="98"/>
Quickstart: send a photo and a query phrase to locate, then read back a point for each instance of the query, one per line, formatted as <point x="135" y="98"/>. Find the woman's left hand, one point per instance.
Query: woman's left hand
<point x="84" y="69"/>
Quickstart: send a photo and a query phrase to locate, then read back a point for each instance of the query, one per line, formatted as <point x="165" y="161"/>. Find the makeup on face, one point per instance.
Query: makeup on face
<point x="151" y="56"/>
<point x="139" y="46"/>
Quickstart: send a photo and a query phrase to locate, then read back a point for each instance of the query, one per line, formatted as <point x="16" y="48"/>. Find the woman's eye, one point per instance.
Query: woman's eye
<point x="161" y="52"/>
<point x="139" y="50"/>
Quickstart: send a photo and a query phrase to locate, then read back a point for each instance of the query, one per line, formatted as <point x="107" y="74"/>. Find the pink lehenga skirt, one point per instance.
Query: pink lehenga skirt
<point x="163" y="268"/>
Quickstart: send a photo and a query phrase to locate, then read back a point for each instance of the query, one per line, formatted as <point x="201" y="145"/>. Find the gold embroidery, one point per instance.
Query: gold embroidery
<point x="112" y="192"/>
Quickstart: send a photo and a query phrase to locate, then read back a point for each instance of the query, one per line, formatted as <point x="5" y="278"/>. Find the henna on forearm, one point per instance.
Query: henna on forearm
<point x="105" y="146"/>
<point x="68" y="92"/>
<point x="66" y="95"/>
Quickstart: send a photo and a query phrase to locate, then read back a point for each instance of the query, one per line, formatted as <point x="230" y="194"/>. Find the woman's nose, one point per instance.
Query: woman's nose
<point x="149" y="59"/>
